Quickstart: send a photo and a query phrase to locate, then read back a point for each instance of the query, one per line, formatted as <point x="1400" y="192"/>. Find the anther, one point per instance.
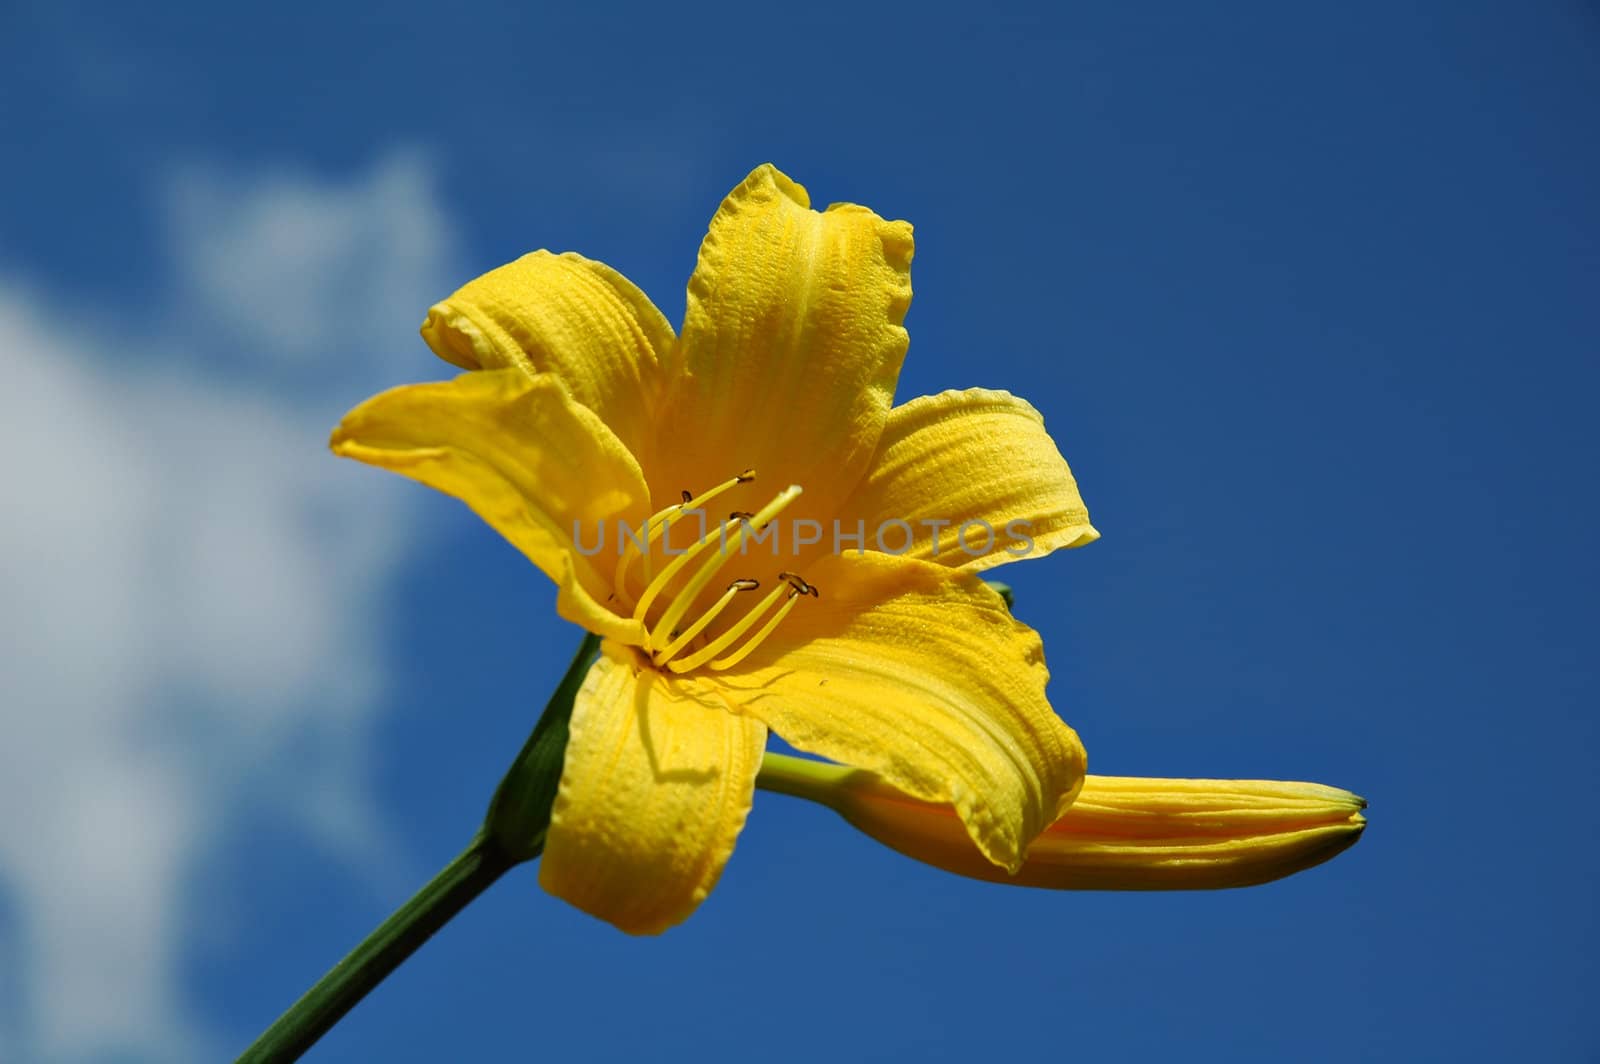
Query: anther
<point x="746" y="477"/>
<point x="798" y="582"/>
<point x="740" y="515"/>
<point x="688" y="496"/>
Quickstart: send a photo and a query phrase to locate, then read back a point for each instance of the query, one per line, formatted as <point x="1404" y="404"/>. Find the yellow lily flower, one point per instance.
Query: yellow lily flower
<point x="1120" y="833"/>
<point x="582" y="408"/>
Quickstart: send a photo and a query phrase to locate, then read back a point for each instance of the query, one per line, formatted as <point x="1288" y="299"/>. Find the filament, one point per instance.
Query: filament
<point x="657" y="522"/>
<point x="666" y="653"/>
<point x="697" y="583"/>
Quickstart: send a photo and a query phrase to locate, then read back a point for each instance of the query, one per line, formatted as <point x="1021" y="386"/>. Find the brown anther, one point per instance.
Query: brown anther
<point x="744" y="584"/>
<point x="740" y="515"/>
<point x="798" y="582"/>
<point x="688" y="496"/>
<point x="746" y="477"/>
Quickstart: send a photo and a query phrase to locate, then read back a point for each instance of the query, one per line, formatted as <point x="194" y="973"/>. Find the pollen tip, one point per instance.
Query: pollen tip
<point x="798" y="584"/>
<point x="744" y="584"/>
<point x="688" y="496"/>
<point x="746" y="477"/>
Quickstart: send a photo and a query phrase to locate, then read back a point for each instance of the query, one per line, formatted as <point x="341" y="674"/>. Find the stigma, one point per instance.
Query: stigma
<point x="674" y="640"/>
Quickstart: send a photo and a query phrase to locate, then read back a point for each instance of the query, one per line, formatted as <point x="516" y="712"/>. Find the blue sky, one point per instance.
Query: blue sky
<point x="1306" y="297"/>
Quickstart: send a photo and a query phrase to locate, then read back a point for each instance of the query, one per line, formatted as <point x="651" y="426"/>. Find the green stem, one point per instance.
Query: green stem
<point x="513" y="832"/>
<point x="336" y="993"/>
<point x="519" y="812"/>
<point x="800" y="777"/>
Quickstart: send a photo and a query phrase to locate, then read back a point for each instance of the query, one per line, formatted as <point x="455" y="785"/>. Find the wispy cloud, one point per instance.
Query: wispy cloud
<point x="319" y="275"/>
<point x="190" y="582"/>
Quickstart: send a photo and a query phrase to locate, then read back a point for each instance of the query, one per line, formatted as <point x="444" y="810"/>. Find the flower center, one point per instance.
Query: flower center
<point x="673" y="592"/>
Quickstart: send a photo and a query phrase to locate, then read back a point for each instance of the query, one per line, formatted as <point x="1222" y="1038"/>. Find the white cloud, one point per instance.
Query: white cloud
<point x="301" y="268"/>
<point x="190" y="580"/>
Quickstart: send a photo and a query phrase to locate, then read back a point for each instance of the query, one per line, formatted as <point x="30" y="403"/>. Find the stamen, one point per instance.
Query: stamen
<point x="760" y="637"/>
<point x="737" y="629"/>
<point x="685" y="598"/>
<point x="709" y="652"/>
<point x="657" y="522"/>
<point x="682" y="639"/>
<point x="619" y="578"/>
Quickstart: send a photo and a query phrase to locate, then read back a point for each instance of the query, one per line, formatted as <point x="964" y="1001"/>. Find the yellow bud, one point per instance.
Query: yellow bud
<point x="1121" y="833"/>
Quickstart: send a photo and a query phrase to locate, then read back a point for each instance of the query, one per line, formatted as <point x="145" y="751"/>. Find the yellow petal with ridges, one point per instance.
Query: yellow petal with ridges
<point x="921" y="675"/>
<point x="529" y="459"/>
<point x="791" y="344"/>
<point x="975" y="456"/>
<point x="567" y="315"/>
<point x="657" y="783"/>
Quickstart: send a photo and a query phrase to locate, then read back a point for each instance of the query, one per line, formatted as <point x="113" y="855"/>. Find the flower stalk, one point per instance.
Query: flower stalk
<point x="472" y="872"/>
<point x="519" y="812"/>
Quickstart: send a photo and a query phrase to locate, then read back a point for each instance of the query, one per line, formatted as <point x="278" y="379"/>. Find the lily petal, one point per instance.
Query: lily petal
<point x="529" y="459"/>
<point x="567" y="315"/>
<point x="920" y="675"/>
<point x="791" y="343"/>
<point x="976" y="456"/>
<point x="657" y="783"/>
<point x="1121" y="833"/>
